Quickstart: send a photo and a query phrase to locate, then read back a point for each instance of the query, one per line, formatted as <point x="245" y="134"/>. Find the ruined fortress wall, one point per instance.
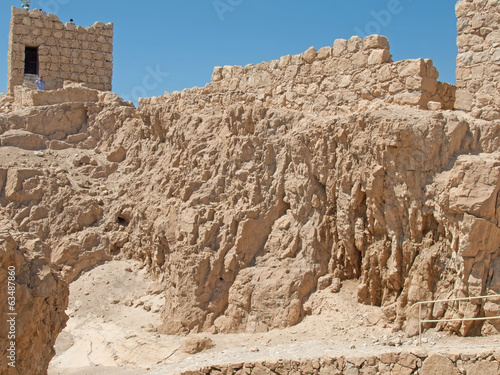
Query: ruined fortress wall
<point x="416" y="361"/>
<point x="324" y="81"/>
<point x="65" y="51"/>
<point x="351" y="70"/>
<point x="478" y="61"/>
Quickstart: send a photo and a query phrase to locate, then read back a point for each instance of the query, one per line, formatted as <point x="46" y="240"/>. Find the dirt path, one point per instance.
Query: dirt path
<point x="114" y="312"/>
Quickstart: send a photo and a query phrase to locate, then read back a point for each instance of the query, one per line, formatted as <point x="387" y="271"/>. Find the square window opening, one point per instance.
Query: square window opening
<point x="31" y="60"/>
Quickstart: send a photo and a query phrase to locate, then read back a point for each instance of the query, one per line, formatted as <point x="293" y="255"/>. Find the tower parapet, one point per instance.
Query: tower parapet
<point x="478" y="60"/>
<point x="40" y="44"/>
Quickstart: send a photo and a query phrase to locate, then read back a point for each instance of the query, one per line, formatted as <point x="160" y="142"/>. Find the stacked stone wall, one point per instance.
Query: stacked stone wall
<point x="478" y="60"/>
<point x="338" y="76"/>
<point x="407" y="362"/>
<point x="66" y="52"/>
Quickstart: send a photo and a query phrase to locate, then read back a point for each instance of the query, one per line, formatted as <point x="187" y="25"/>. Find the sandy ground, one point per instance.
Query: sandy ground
<point x="114" y="313"/>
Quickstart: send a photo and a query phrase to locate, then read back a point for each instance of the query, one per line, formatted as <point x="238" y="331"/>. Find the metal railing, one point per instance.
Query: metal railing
<point x="421" y="321"/>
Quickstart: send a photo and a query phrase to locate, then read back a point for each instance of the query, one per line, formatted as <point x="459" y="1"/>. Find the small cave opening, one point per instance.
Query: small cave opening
<point x="114" y="250"/>
<point x="123" y="221"/>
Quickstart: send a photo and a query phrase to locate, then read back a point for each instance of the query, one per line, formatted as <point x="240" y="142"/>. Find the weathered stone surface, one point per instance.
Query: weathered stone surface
<point x="117" y="155"/>
<point x="375" y="42"/>
<point x="22" y="139"/>
<point x="437" y="364"/>
<point x="40" y="300"/>
<point x="79" y="55"/>
<point x="195" y="345"/>
<point x="368" y="60"/>
<point x="248" y="195"/>
<point x="478" y="52"/>
<point x="483" y="368"/>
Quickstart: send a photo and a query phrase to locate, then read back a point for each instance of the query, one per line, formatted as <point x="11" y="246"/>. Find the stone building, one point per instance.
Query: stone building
<point x="40" y="44"/>
<point x="478" y="61"/>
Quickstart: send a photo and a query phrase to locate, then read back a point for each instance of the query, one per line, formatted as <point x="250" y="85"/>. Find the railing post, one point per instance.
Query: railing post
<point x="419" y="325"/>
<point x="449" y="320"/>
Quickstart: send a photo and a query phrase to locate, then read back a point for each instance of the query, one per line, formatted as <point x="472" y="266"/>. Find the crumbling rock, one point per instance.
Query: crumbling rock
<point x="249" y="195"/>
<point x="40" y="296"/>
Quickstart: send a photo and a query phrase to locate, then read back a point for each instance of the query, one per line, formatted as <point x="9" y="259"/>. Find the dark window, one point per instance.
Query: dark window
<point x="31" y="60"/>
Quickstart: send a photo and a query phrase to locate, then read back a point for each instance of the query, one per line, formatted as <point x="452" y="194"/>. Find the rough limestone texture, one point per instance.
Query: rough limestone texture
<point x="41" y="298"/>
<point x="48" y="215"/>
<point x="244" y="196"/>
<point x="241" y="208"/>
<point x="336" y="78"/>
<point x="261" y="202"/>
<point x="406" y="362"/>
<point x="478" y="59"/>
<point x="65" y="51"/>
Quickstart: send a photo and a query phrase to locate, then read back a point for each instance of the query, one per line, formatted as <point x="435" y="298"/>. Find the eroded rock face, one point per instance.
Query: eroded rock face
<point x="40" y="299"/>
<point x="243" y="204"/>
<point x="268" y="201"/>
<point x="50" y="216"/>
<point x="241" y="208"/>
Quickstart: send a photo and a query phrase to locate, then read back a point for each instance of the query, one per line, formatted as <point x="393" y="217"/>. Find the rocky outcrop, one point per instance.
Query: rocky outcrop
<point x="51" y="203"/>
<point x="295" y="197"/>
<point x="242" y="197"/>
<point x="237" y="205"/>
<point x="34" y="300"/>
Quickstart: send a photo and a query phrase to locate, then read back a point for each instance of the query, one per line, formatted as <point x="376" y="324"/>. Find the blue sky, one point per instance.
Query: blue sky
<point x="177" y="43"/>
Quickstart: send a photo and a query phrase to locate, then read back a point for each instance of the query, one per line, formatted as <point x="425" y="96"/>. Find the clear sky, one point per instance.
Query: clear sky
<point x="171" y="45"/>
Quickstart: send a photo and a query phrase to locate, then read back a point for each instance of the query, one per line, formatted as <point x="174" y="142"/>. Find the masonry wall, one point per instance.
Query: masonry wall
<point x="66" y="52"/>
<point x="478" y="61"/>
<point x="325" y="81"/>
<point x="408" y="362"/>
<point x="351" y="70"/>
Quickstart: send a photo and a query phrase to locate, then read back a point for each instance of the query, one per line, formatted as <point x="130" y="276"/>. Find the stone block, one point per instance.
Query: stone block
<point x="412" y="68"/>
<point x="329" y="370"/>
<point x="354" y="44"/>
<point x="429" y="85"/>
<point x="389" y="358"/>
<point x="413" y="99"/>
<point x="360" y="59"/>
<point x="407" y="359"/>
<point x="437" y="364"/>
<point x="469" y="40"/>
<point x="464" y="100"/>
<point x="413" y="83"/>
<point x="23" y="140"/>
<point x="434" y="106"/>
<point x="339" y="47"/>
<point x="463" y="73"/>
<point x="325" y="53"/>
<point x="310" y="55"/>
<point x="261" y="370"/>
<point x="493" y="38"/>
<point x="350" y="369"/>
<point x="21" y="29"/>
<point x="401" y="370"/>
<point x="375" y="42"/>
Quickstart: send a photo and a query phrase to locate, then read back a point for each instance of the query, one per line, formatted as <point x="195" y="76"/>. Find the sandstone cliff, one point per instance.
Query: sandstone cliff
<point x="243" y="195"/>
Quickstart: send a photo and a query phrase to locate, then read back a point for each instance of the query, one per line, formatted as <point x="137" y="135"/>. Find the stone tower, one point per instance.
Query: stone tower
<point x="40" y="44"/>
<point x="478" y="61"/>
